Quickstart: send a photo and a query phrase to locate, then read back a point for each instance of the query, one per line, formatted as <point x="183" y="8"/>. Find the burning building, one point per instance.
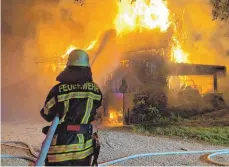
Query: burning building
<point x="151" y="46"/>
<point x="146" y="34"/>
<point x="152" y="71"/>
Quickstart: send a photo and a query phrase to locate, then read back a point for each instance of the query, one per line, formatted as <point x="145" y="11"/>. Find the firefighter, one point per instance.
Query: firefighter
<point x="75" y="100"/>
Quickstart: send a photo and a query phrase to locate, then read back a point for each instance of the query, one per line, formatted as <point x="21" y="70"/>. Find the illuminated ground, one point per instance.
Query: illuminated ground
<point x="116" y="143"/>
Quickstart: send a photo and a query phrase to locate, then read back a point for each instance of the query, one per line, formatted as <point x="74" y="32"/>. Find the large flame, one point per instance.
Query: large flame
<point x="178" y="55"/>
<point x="148" y="15"/>
<point x="145" y="15"/>
<point x="142" y="14"/>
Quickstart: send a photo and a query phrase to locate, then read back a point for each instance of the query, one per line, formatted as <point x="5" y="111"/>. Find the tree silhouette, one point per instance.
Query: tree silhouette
<point x="220" y="9"/>
<point x="79" y="2"/>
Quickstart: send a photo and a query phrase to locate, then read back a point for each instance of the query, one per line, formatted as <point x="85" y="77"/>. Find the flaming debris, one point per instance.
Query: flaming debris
<point x="115" y="118"/>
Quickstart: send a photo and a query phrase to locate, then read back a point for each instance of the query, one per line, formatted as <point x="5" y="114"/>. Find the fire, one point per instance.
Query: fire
<point x="115" y="116"/>
<point x="112" y="116"/>
<point x="72" y="47"/>
<point x="142" y="14"/>
<point x="178" y="55"/>
<point x="91" y="46"/>
<point x="69" y="49"/>
<point x="148" y="15"/>
<point x="62" y="60"/>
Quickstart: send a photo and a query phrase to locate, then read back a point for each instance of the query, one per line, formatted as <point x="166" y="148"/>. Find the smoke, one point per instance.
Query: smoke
<point x="205" y="40"/>
<point x="41" y="30"/>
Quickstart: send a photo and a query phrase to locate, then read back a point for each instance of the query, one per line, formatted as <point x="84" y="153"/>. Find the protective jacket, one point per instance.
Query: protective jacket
<point x="75" y="104"/>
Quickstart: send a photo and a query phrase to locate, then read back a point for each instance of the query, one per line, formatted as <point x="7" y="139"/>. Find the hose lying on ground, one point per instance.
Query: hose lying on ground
<point x="20" y="157"/>
<point x="209" y="160"/>
<point x="28" y="146"/>
<point x="16" y="146"/>
<point x="210" y="156"/>
<point x="216" y="152"/>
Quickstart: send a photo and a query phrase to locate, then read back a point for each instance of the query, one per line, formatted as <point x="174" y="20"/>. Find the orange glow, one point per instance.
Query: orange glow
<point x="63" y="58"/>
<point x="70" y="48"/>
<point x="178" y="55"/>
<point x="112" y="116"/>
<point x="115" y="117"/>
<point x="91" y="46"/>
<point x="147" y="15"/>
<point x="142" y="14"/>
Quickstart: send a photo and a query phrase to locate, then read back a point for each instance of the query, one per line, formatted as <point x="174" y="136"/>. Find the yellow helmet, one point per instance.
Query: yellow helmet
<point x="78" y="57"/>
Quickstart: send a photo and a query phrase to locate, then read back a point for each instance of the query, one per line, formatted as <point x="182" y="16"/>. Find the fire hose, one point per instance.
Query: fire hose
<point x="208" y="159"/>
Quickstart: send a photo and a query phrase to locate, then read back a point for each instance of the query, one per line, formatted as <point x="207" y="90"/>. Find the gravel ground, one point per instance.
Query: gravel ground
<point x="122" y="143"/>
<point x="115" y="143"/>
<point x="14" y="151"/>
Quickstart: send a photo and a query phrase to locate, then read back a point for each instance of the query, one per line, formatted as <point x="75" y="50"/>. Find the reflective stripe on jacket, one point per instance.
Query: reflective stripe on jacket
<point x="76" y="104"/>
